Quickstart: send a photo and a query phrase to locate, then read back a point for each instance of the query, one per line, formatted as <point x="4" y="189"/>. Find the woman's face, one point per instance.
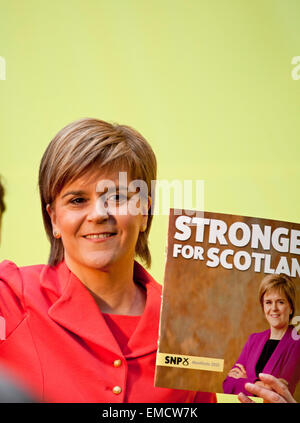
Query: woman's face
<point x="276" y="308"/>
<point x="97" y="230"/>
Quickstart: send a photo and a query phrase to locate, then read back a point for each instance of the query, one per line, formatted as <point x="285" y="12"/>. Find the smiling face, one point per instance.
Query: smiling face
<point x="276" y="308"/>
<point x="96" y="234"/>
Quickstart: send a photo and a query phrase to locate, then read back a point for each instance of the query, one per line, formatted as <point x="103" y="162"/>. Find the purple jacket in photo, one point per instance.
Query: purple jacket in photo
<point x="283" y="363"/>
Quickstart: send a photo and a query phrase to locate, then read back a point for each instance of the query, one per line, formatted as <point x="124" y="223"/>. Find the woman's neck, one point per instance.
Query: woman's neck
<point x="113" y="290"/>
<point x="277" y="333"/>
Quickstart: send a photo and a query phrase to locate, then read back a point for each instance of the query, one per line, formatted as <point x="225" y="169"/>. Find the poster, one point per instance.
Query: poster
<point x="213" y="301"/>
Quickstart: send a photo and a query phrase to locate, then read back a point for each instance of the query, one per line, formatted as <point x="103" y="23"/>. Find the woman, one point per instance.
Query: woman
<point x="273" y="351"/>
<point x="84" y="327"/>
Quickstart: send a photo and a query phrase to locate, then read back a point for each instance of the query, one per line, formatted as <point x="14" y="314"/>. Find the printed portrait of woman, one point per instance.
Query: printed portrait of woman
<point x="274" y="351"/>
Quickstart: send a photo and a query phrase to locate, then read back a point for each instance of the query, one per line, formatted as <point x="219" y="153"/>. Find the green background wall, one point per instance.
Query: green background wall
<point x="208" y="83"/>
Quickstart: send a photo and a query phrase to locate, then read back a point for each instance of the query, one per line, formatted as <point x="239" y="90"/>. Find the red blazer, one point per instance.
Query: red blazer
<point x="59" y="344"/>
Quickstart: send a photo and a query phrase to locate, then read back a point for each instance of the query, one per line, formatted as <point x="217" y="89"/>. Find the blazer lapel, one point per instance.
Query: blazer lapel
<point x="144" y="338"/>
<point x="279" y="350"/>
<point x="76" y="310"/>
<point x="256" y="351"/>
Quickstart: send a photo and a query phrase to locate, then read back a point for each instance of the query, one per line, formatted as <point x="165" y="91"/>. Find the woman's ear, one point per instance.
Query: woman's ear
<point x="145" y="210"/>
<point x="52" y="215"/>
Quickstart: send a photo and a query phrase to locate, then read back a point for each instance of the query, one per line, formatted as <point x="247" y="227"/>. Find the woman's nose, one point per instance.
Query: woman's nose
<point x="274" y="306"/>
<point x="98" y="211"/>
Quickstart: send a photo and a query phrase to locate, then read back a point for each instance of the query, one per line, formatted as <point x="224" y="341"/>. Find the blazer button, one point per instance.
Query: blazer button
<point x="117" y="390"/>
<point x="117" y="363"/>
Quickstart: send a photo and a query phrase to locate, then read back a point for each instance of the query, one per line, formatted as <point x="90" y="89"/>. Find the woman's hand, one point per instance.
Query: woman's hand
<point x="272" y="390"/>
<point x="238" y="372"/>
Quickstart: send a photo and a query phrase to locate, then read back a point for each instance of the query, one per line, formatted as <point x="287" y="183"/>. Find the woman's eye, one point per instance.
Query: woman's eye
<point x="117" y="198"/>
<point x="78" y="200"/>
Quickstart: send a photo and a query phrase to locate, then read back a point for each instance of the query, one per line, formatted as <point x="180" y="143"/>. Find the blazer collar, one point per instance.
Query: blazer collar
<point x="145" y="337"/>
<point x="75" y="309"/>
<point x="279" y="350"/>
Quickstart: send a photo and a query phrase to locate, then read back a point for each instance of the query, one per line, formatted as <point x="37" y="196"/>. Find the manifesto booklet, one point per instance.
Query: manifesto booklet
<point x="231" y="300"/>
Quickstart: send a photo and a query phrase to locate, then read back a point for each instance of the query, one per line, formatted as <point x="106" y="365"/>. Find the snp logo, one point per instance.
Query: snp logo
<point x="2" y="69"/>
<point x="184" y="361"/>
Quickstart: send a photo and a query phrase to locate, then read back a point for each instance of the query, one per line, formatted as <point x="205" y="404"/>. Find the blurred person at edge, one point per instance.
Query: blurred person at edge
<point x="274" y="351"/>
<point x="2" y="203"/>
<point x="10" y="389"/>
<point x="87" y="323"/>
